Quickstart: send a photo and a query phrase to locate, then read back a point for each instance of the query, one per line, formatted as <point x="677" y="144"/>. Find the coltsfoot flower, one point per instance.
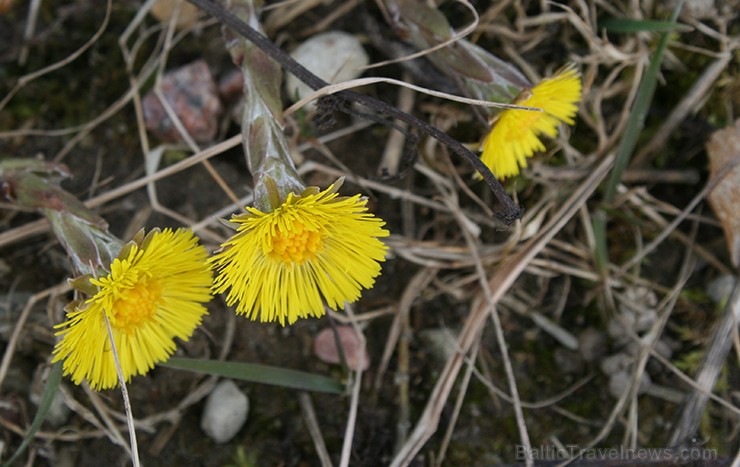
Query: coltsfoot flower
<point x="154" y="292"/>
<point x="515" y="134"/>
<point x="279" y="265"/>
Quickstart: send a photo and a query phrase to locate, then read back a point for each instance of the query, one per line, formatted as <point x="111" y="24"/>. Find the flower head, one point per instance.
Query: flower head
<point x="154" y="292"/>
<point x="515" y="134"/>
<point x="280" y="264"/>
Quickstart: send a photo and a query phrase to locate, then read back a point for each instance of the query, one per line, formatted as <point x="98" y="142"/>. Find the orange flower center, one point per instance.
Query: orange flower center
<point x="136" y="305"/>
<point x="296" y="245"/>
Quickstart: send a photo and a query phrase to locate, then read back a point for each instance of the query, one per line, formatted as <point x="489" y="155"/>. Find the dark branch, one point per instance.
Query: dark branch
<point x="507" y="211"/>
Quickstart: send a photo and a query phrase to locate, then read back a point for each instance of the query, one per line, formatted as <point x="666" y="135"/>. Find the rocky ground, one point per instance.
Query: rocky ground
<point x="601" y="356"/>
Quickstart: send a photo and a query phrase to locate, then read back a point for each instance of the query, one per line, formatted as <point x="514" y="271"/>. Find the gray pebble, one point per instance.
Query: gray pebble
<point x="721" y="288"/>
<point x="591" y="344"/>
<point x="616" y="363"/>
<point x="620" y="382"/>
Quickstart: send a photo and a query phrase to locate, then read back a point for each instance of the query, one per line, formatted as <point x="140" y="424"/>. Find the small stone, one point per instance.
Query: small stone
<point x="620" y="382"/>
<point x="191" y="92"/>
<point x="187" y="13"/>
<point x="638" y="310"/>
<point x="645" y="320"/>
<point x="225" y="412"/>
<point x="591" y="344"/>
<point x="231" y="85"/>
<point x="642" y="296"/>
<point x="618" y="325"/>
<point x="720" y="288"/>
<point x="333" y="56"/>
<point x="634" y="348"/>
<point x="325" y="347"/>
<point x="615" y="363"/>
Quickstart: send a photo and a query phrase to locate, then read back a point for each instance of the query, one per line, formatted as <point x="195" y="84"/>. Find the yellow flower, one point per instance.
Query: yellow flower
<point x="155" y="292"/>
<point x="280" y="264"/>
<point x="515" y="134"/>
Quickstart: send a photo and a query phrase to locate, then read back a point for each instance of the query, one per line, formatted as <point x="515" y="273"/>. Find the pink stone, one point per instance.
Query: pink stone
<point x="325" y="347"/>
<point x="191" y="92"/>
<point x="230" y="86"/>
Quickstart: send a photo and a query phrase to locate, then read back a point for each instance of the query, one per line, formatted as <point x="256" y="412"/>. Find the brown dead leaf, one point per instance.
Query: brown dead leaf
<point x="723" y="150"/>
<point x="5" y="6"/>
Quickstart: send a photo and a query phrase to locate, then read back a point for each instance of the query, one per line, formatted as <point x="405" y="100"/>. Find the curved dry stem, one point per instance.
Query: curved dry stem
<point x="499" y="283"/>
<point x="355" y="83"/>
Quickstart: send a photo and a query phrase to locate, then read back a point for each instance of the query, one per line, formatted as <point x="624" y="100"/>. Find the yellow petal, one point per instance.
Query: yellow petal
<point x="515" y="135"/>
<point x="313" y="249"/>
<point x="152" y="295"/>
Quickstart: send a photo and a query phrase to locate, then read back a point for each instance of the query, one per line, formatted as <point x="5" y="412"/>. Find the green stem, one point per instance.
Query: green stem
<point x="265" y="146"/>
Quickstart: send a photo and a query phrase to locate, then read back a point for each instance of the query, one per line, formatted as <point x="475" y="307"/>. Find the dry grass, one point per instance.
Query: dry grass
<point x="517" y="303"/>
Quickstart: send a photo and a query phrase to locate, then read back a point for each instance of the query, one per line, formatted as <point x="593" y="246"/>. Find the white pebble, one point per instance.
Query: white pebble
<point x="225" y="412"/>
<point x="333" y="56"/>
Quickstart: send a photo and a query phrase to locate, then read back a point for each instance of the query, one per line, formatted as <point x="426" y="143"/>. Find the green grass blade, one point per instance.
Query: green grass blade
<point x="627" y="145"/>
<point x="52" y="385"/>
<point x="636" y="120"/>
<point x="629" y="26"/>
<point x="259" y="374"/>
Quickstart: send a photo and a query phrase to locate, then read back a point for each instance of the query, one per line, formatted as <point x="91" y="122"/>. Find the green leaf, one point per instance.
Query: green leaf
<point x="632" y="131"/>
<point x="259" y="374"/>
<point x="628" y="26"/>
<point x="52" y="384"/>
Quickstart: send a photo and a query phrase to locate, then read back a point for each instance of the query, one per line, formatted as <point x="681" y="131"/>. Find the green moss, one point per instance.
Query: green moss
<point x="242" y="458"/>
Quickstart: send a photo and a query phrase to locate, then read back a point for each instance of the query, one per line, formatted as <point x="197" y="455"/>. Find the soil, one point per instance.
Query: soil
<point x="567" y="385"/>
